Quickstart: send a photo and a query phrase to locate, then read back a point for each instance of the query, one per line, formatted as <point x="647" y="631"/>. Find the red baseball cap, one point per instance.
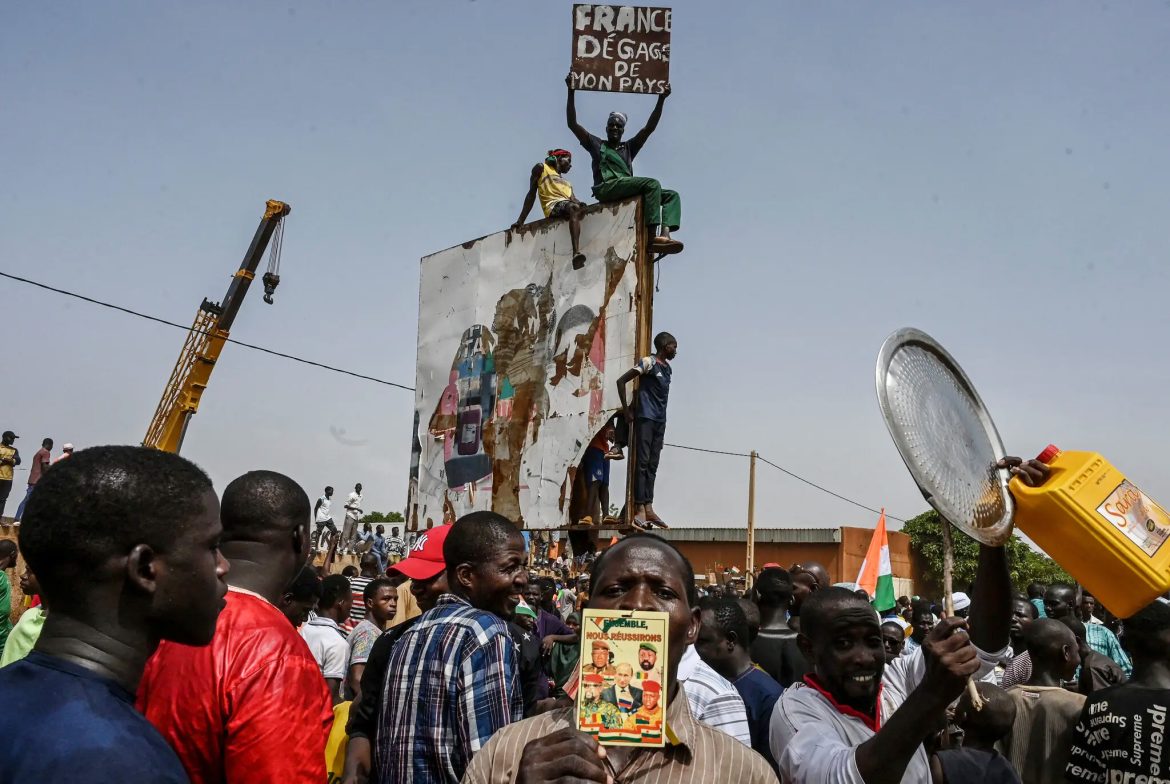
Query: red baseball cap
<point x="425" y="559"/>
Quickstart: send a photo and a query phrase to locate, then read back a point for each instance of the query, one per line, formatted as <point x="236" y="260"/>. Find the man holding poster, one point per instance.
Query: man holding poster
<point x="613" y="170"/>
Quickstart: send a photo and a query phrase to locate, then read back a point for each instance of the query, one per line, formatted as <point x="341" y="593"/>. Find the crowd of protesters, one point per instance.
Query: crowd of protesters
<point x="179" y="636"/>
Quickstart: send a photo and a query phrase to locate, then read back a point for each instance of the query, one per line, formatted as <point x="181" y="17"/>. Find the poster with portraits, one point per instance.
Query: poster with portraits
<point x="621" y="694"/>
<point x="518" y="359"/>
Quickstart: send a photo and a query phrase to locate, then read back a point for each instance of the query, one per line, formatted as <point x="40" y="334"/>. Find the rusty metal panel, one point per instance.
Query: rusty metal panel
<point x="518" y="359"/>
<point x="763" y="535"/>
<point x="621" y="48"/>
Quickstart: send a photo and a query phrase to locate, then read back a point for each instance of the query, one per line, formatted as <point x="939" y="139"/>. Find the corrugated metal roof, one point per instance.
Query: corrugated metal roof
<point x="763" y="535"/>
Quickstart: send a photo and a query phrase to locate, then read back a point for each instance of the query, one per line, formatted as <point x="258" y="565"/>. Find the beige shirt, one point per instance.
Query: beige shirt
<point x="1038" y="744"/>
<point x="407" y="606"/>
<point x="702" y="754"/>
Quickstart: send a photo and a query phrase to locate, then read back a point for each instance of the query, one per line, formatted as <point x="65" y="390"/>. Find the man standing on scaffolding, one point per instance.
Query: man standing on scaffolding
<point x="613" y="171"/>
<point x="650" y="422"/>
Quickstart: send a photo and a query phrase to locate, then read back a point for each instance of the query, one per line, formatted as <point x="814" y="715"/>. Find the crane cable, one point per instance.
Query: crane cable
<point x="274" y="249"/>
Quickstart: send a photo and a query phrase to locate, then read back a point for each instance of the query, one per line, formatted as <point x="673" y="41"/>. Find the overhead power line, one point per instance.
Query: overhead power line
<point x="158" y="320"/>
<point x="708" y="451"/>
<point x="365" y="377"/>
<point x="785" y="471"/>
<point x="826" y="490"/>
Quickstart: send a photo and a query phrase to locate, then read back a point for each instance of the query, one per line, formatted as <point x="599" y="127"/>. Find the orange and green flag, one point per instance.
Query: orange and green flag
<point x="876" y="576"/>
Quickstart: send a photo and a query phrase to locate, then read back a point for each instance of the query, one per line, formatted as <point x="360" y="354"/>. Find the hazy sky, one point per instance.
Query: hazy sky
<point x="994" y="173"/>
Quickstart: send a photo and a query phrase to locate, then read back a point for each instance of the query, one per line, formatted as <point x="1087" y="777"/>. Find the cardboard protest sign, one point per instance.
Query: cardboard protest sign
<point x="621" y="695"/>
<point x="621" y="48"/>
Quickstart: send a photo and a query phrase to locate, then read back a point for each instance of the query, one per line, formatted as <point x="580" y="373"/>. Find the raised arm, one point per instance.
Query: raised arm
<point x="991" y="602"/>
<point x="641" y="136"/>
<point x="950" y="660"/>
<point x="571" y="114"/>
<point x="530" y="199"/>
<point x="626" y="378"/>
<point x="326" y="566"/>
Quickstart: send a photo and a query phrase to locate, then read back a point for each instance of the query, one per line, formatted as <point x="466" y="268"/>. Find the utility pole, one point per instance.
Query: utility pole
<point x="750" y="570"/>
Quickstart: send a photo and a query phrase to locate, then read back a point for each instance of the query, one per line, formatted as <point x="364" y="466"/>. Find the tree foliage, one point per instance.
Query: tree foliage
<point x="1024" y="564"/>
<point x="380" y="517"/>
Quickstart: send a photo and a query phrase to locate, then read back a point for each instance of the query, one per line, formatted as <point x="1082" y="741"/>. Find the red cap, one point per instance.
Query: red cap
<point x="593" y="678"/>
<point x="771" y="565"/>
<point x="1049" y="454"/>
<point x="651" y="686"/>
<point x="425" y="559"/>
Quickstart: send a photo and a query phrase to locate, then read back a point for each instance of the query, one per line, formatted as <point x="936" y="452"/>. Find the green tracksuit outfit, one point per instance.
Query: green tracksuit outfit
<point x="614" y="180"/>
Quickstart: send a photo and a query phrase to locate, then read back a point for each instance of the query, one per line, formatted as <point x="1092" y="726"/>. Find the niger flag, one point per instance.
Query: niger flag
<point x="876" y="576"/>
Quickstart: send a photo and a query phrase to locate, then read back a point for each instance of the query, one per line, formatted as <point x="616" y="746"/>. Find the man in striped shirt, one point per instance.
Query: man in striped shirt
<point x="714" y="700"/>
<point x="453" y="680"/>
<point x="641" y="572"/>
<point x="357" y="586"/>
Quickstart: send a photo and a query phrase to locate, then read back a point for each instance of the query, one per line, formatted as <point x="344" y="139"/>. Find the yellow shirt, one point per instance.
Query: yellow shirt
<point x="10" y="452"/>
<point x="407" y="606"/>
<point x="552" y="187"/>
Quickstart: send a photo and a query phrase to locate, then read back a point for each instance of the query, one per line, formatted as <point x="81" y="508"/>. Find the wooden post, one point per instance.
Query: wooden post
<point x="750" y="569"/>
<point x="643" y="341"/>
<point x="948" y="601"/>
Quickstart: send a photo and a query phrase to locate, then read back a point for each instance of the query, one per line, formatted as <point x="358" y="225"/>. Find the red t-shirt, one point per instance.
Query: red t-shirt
<point x="40" y="462"/>
<point x="251" y="706"/>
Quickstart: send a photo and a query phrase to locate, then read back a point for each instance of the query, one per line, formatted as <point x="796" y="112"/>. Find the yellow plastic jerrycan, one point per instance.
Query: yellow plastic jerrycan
<point x="1101" y="528"/>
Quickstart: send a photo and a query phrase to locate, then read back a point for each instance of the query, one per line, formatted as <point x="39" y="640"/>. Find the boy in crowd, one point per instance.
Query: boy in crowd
<point x="219" y="706"/>
<point x="427" y="575"/>
<point x="1038" y="744"/>
<point x="978" y="759"/>
<point x="1106" y="744"/>
<point x="1097" y="670"/>
<point x="775" y="649"/>
<point x="380" y="599"/>
<point x="324" y="635"/>
<point x="24" y="635"/>
<point x="461" y="647"/>
<point x="723" y="644"/>
<point x="125" y="544"/>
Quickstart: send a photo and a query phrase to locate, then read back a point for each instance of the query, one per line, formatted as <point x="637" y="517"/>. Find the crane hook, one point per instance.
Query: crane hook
<point x="271" y="281"/>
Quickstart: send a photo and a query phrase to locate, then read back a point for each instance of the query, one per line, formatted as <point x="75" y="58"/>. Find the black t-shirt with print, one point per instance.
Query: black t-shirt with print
<point x="1121" y="736"/>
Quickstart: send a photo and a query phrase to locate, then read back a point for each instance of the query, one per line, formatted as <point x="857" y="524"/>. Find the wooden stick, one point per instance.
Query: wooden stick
<point x="948" y="603"/>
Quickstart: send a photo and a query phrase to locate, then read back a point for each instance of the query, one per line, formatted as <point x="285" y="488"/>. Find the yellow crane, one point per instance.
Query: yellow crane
<point x="205" y="341"/>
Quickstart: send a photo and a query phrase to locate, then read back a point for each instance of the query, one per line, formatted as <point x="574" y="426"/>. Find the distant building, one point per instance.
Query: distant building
<point x="841" y="550"/>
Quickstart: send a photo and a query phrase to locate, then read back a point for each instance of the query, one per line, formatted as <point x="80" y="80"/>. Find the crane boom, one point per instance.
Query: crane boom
<point x="209" y="333"/>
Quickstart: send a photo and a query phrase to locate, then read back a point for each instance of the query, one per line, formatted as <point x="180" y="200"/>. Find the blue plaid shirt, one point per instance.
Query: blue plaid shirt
<point x="452" y="681"/>
<point x="1105" y="642"/>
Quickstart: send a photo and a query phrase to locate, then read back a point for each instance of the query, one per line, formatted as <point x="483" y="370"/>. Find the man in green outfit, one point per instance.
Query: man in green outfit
<point x="595" y="710"/>
<point x="613" y="171"/>
<point x="8" y="554"/>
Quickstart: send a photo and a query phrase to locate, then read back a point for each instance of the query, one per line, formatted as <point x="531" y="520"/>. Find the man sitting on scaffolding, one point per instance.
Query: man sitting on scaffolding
<point x="556" y="198"/>
<point x="613" y="171"/>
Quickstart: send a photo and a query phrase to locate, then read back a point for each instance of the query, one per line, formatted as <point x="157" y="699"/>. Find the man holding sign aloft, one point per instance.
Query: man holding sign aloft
<point x="613" y="170"/>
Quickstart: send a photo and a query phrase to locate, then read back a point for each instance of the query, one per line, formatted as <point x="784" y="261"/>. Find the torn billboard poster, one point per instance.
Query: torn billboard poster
<point x="518" y="359"/>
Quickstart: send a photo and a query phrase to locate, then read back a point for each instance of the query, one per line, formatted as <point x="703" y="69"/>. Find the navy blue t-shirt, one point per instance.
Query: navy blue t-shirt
<point x="653" y="389"/>
<point x="759" y="692"/>
<point x="63" y="723"/>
